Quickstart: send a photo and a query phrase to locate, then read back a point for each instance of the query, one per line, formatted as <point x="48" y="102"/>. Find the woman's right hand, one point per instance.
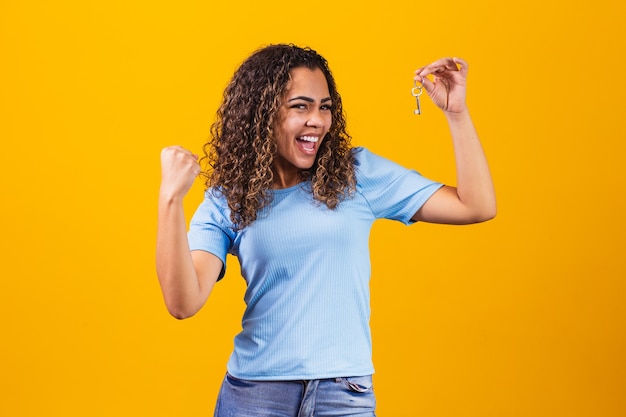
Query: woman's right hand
<point x="179" y="169"/>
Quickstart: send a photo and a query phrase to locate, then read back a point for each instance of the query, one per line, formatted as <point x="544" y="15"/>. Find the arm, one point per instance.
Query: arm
<point x="186" y="277"/>
<point x="473" y="199"/>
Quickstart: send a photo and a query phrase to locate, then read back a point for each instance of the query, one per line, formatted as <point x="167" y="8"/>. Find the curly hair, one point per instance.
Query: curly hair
<point x="239" y="155"/>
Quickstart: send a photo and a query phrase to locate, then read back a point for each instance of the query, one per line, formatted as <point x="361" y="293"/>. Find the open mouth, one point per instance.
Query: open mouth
<point x="307" y="143"/>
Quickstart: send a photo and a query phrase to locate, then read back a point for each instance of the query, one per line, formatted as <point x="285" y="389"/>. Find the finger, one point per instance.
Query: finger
<point x="463" y="66"/>
<point x="446" y="64"/>
<point x="435" y="67"/>
<point x="178" y="148"/>
<point x="439" y="67"/>
<point x="178" y="156"/>
<point x="429" y="86"/>
<point x="186" y="153"/>
<point x="196" y="170"/>
<point x="420" y="77"/>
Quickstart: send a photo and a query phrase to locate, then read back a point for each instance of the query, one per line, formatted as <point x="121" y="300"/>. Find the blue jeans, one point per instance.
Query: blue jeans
<point x="350" y="396"/>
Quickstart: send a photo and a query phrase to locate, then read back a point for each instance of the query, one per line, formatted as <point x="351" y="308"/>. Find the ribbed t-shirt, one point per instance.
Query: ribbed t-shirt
<point x="307" y="270"/>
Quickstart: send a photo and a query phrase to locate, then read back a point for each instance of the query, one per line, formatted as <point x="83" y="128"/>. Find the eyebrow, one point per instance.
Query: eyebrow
<point x="308" y="99"/>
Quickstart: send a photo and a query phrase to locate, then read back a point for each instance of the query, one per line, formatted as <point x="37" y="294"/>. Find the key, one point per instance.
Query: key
<point x="417" y="92"/>
<point x="418" y="110"/>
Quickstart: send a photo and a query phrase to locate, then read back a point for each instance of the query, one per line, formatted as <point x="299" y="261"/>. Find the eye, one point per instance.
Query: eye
<point x="300" y="106"/>
<point x="326" y="107"/>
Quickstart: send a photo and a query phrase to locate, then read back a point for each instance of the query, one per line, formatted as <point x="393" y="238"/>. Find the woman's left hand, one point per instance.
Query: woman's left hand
<point x="447" y="89"/>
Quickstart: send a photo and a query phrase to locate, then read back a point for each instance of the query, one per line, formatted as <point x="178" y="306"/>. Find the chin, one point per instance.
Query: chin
<point x="306" y="165"/>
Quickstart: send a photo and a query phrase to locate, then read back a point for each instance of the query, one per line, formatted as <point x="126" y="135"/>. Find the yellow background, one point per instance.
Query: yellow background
<point x="521" y="316"/>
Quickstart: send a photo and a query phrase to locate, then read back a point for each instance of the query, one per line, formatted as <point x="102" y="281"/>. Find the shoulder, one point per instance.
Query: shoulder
<point x="370" y="165"/>
<point x="214" y="200"/>
<point x="214" y="208"/>
<point x="360" y="153"/>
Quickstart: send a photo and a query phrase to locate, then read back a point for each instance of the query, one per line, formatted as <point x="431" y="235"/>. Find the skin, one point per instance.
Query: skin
<point x="187" y="277"/>
<point x="473" y="200"/>
<point x="306" y="112"/>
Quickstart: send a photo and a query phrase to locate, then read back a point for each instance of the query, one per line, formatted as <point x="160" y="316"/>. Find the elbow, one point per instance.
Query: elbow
<point x="486" y="217"/>
<point x="180" y="314"/>
<point x="485" y="214"/>
<point x="180" y="311"/>
<point x="181" y="317"/>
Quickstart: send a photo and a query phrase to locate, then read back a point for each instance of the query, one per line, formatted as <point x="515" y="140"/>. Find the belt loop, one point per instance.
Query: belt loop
<point x="307" y="406"/>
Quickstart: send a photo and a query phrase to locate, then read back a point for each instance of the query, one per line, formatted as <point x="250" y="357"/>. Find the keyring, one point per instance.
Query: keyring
<point x="418" y="87"/>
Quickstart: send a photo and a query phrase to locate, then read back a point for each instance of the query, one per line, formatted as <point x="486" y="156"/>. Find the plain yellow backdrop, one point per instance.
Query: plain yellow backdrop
<point x="520" y="316"/>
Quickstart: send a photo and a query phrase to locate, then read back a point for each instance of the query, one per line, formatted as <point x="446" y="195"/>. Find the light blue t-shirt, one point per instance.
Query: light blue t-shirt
<point x="307" y="270"/>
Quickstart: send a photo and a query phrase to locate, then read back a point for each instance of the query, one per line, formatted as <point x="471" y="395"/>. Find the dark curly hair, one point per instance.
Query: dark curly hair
<point x="239" y="155"/>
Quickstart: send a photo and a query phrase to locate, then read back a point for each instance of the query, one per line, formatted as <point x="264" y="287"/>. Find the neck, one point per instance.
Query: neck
<point x="286" y="175"/>
<point x="284" y="179"/>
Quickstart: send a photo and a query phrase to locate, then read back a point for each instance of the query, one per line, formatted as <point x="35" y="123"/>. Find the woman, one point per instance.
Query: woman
<point x="294" y="202"/>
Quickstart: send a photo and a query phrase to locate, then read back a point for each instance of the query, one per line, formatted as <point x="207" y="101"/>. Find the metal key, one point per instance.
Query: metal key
<point x="420" y="90"/>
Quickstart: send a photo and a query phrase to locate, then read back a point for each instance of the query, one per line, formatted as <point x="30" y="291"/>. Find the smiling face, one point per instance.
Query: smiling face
<point x="304" y="119"/>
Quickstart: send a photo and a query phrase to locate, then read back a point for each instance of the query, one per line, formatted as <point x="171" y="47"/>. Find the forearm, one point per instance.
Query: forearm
<point x="474" y="184"/>
<point x="179" y="282"/>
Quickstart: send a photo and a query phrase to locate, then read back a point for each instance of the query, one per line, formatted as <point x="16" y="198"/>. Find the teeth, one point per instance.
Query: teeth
<point x="309" y="138"/>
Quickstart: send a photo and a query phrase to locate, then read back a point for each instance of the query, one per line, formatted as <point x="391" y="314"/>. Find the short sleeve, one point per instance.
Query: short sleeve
<point x="392" y="191"/>
<point x="210" y="228"/>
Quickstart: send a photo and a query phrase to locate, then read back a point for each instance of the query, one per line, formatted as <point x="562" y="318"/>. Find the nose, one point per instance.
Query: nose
<point x="315" y="119"/>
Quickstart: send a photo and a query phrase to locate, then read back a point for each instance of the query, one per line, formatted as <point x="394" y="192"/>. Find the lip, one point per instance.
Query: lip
<point x="308" y="151"/>
<point x="313" y="134"/>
